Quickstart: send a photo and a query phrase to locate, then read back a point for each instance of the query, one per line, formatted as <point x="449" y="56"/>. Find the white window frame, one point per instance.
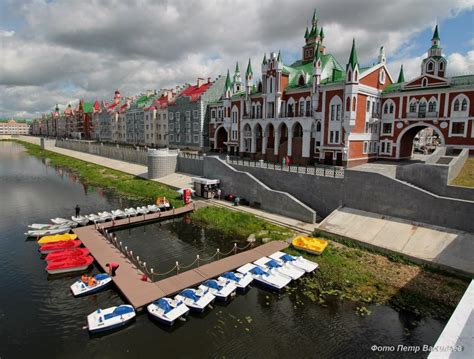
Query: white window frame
<point x="195" y="114"/>
<point x="365" y="148"/>
<point x="188" y="138"/>
<point x="196" y="138"/>
<point x="386" y="147"/>
<point x="451" y="134"/>
<point x="171" y="137"/>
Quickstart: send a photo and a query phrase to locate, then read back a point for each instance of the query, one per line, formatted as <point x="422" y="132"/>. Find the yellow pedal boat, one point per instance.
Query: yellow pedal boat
<point x="310" y="244"/>
<point x="57" y="238"/>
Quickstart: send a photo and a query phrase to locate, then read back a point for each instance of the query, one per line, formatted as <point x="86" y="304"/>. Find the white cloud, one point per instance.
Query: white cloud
<point x="71" y="49"/>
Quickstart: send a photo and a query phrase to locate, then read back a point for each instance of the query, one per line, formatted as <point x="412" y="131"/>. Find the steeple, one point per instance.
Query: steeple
<point x="237" y="79"/>
<point x="249" y="71"/>
<point x="264" y="62"/>
<point x="279" y="56"/>
<point x="315" y="18"/>
<point x="317" y="54"/>
<point x="401" y="76"/>
<point x="237" y="67"/>
<point x="321" y="34"/>
<point x="353" y="57"/>
<point x="228" y="83"/>
<point x="435" y="34"/>
<point x="306" y="34"/>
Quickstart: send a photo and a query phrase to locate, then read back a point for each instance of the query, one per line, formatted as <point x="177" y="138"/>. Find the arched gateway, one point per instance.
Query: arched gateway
<point x="406" y="137"/>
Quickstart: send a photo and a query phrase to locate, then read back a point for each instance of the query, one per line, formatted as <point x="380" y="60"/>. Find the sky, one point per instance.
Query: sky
<point x="60" y="51"/>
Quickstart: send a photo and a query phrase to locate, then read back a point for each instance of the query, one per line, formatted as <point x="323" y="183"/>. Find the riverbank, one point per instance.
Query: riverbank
<point x="125" y="184"/>
<point x="354" y="273"/>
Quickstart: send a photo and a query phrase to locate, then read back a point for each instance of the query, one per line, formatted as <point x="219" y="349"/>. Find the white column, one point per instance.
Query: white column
<point x="290" y="142"/>
<point x="276" y="142"/>
<point x="306" y="143"/>
<point x="264" y="142"/>
<point x="253" y="147"/>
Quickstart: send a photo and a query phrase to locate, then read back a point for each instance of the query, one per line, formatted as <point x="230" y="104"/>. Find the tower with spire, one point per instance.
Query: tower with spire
<point x="237" y="79"/>
<point x="313" y="37"/>
<point x="351" y="88"/>
<point x="382" y="59"/>
<point x="435" y="63"/>
<point x="227" y="86"/>
<point x="248" y="79"/>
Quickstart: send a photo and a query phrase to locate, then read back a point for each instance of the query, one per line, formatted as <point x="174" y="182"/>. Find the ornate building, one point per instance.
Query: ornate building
<point x="317" y="111"/>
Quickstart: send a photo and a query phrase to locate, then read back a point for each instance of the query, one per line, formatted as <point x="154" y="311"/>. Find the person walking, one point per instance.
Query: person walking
<point x="78" y="210"/>
<point x="113" y="266"/>
<point x="219" y="192"/>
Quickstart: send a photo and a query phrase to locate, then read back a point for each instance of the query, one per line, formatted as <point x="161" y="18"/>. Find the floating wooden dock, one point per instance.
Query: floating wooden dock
<point x="128" y="277"/>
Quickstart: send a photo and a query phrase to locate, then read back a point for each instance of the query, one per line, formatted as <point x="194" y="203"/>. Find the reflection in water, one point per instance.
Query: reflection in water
<point x="39" y="317"/>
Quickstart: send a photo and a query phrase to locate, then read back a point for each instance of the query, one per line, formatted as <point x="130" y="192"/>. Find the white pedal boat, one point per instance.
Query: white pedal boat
<point x="95" y="218"/>
<point x="79" y="288"/>
<point x="130" y="212"/>
<point x="110" y="318"/>
<point x="167" y="310"/>
<point x="119" y="213"/>
<point x="59" y="220"/>
<point x="153" y="208"/>
<point x="81" y="220"/>
<point x="47" y="232"/>
<point x="196" y="300"/>
<point x="142" y="210"/>
<point x="241" y="281"/>
<point x="42" y="226"/>
<point x="297" y="261"/>
<point x="106" y="216"/>
<point x="222" y="289"/>
<point x="284" y="269"/>
<point x="272" y="281"/>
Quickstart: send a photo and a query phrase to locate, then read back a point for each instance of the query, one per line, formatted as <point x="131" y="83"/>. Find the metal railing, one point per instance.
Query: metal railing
<point x="177" y="268"/>
<point x="194" y="156"/>
<point x="324" y="171"/>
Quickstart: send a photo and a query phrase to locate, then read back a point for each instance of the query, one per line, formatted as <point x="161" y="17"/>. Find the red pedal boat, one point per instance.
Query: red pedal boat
<point x="71" y="264"/>
<point x="59" y="246"/>
<point x="67" y="253"/>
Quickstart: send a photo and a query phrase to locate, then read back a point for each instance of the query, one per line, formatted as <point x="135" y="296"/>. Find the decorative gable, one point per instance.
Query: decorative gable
<point x="426" y="81"/>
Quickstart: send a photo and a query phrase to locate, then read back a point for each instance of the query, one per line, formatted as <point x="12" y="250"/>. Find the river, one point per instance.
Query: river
<point x="40" y="318"/>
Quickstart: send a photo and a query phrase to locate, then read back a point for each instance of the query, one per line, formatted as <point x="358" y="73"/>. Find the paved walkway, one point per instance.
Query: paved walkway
<point x="177" y="180"/>
<point x="128" y="277"/>
<point x="445" y="248"/>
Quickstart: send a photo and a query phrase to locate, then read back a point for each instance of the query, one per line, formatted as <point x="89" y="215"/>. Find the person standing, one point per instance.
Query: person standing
<point x="219" y="192"/>
<point x="113" y="266"/>
<point x="78" y="210"/>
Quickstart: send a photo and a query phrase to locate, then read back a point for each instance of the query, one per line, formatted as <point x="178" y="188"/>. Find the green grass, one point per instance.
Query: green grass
<point x="354" y="273"/>
<point x="240" y="224"/>
<point x="124" y="183"/>
<point x="466" y="176"/>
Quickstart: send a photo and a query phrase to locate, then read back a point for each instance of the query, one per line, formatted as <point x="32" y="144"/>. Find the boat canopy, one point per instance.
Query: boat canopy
<point x="287" y="258"/>
<point x="163" y="304"/>
<point x="188" y="293"/>
<point x="258" y="271"/>
<point x="101" y="276"/>
<point x="207" y="181"/>
<point x="273" y="264"/>
<point x="212" y="284"/>
<point x="231" y="275"/>
<point x="120" y="310"/>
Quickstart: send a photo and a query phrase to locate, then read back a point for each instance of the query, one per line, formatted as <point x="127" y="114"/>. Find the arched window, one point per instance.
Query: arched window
<point x="270" y="90"/>
<point x="430" y="66"/>
<point x="424" y="82"/>
<point x="349" y="74"/>
<point x="253" y="110"/>
<point x="391" y="108"/>
<point x="413" y="106"/>
<point x="301" y="107"/>
<point x="355" y="76"/>
<point x="348" y="104"/>
<point x="354" y="103"/>
<point x="464" y="105"/>
<point x="422" y="109"/>
<point x="385" y="108"/>
<point x="441" y="66"/>
<point x="432" y="106"/>
<point x="456" y="105"/>
<point x="318" y="126"/>
<point x="382" y="77"/>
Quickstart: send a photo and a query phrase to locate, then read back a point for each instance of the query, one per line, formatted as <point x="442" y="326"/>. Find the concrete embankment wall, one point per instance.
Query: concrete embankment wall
<point x="193" y="166"/>
<point x="118" y="153"/>
<point x="247" y="186"/>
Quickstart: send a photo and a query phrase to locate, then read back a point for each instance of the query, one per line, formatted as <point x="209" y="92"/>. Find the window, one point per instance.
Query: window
<point x="464" y="105"/>
<point x="301" y="107"/>
<point x="171" y="115"/>
<point x="441" y="66"/>
<point x="424" y="82"/>
<point x="432" y="106"/>
<point x="385" y="147"/>
<point x="188" y="116"/>
<point x="422" y="109"/>
<point x="195" y="114"/>
<point x="382" y="77"/>
<point x="430" y="66"/>
<point x="387" y="128"/>
<point x="196" y="126"/>
<point x="354" y="104"/>
<point x="196" y="138"/>
<point x="333" y="112"/>
<point x="177" y="116"/>
<point x="413" y="106"/>
<point x="171" y="127"/>
<point x="365" y="147"/>
<point x="456" y="105"/>
<point x="348" y="104"/>
<point x="457" y="128"/>
<point x="338" y="112"/>
<point x="213" y="114"/>
<point x="308" y="108"/>
<point x="178" y="138"/>
<point x="318" y="126"/>
<point x="385" y="108"/>
<point x="391" y="108"/>
<point x="188" y="124"/>
<point x="188" y="138"/>
<point x="171" y="138"/>
<point x="334" y="137"/>
<point x="368" y="106"/>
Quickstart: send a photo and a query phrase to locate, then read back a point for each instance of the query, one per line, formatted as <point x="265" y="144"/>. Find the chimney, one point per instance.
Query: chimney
<point x="200" y="82"/>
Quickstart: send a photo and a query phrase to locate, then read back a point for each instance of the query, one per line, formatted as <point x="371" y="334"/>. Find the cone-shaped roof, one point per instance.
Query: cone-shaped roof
<point x="321" y="34"/>
<point x="435" y="34"/>
<point x="401" y="75"/>
<point x="306" y="34"/>
<point x="249" y="71"/>
<point x="237" y="67"/>
<point x="228" y="83"/>
<point x="264" y="62"/>
<point x="279" y="56"/>
<point x="353" y="56"/>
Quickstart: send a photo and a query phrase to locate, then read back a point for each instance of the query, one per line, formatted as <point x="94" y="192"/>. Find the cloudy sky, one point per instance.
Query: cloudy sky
<point x="61" y="50"/>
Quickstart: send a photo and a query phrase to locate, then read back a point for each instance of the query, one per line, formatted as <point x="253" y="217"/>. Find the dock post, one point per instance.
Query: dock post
<point x="218" y="253"/>
<point x="197" y="258"/>
<point x="177" y="267"/>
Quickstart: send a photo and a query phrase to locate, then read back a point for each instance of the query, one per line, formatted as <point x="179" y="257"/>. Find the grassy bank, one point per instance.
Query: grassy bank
<point x="124" y="183"/>
<point x="466" y="176"/>
<point x="350" y="272"/>
<point x="239" y="224"/>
